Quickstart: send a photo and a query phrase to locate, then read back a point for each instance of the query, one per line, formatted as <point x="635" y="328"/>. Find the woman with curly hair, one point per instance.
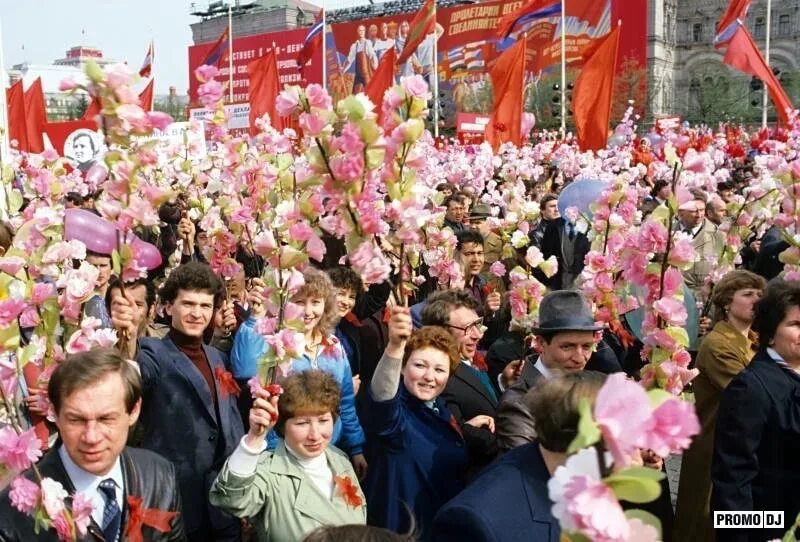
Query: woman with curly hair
<point x="305" y="483"/>
<point x="323" y="351"/>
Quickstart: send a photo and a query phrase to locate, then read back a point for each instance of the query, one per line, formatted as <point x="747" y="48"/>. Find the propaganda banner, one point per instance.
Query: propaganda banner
<point x="248" y="48"/>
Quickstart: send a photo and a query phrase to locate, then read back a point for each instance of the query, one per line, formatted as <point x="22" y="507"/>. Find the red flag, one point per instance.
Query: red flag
<point x="507" y="80"/>
<point x="382" y="80"/>
<point x="147" y="65"/>
<point x="15" y="101"/>
<point x="311" y="43"/>
<point x="743" y="54"/>
<point x="146" y="96"/>
<point x="424" y="23"/>
<point x="218" y="51"/>
<point x="264" y="89"/>
<point x="35" y="116"/>
<point x="594" y="89"/>
<point x="92" y="110"/>
<point x="729" y="23"/>
<point x="527" y="13"/>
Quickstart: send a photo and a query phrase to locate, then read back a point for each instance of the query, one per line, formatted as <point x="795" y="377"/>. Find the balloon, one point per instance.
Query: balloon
<point x="145" y="254"/>
<point x="98" y="234"/>
<point x="653" y="138"/>
<point x="96" y="175"/>
<point x="580" y="194"/>
<point x="636" y="317"/>
<point x="616" y="140"/>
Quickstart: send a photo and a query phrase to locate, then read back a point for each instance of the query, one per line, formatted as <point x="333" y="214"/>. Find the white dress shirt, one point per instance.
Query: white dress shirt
<point x="88" y="484"/>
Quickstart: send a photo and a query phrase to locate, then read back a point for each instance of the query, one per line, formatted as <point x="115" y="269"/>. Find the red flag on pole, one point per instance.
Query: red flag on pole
<point x="729" y="23"/>
<point x="594" y="90"/>
<point x="35" y="116"/>
<point x="146" y="96"/>
<point x="743" y="54"/>
<point x="382" y="80"/>
<point x="527" y="13"/>
<point x="218" y="51"/>
<point x="147" y="65"/>
<point x="92" y="110"/>
<point x="15" y="101"/>
<point x="424" y="23"/>
<point x="507" y="81"/>
<point x="311" y="43"/>
<point x="264" y="89"/>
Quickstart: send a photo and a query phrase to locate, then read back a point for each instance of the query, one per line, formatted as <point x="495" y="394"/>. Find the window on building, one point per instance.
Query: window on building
<point x="784" y="25"/>
<point x="697" y="32"/>
<point x="758" y="30"/>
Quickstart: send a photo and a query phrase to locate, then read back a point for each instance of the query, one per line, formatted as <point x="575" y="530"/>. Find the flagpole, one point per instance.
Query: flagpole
<point x="435" y="81"/>
<point x="324" y="49"/>
<point x="230" y="51"/>
<point x="766" y="58"/>
<point x="563" y="70"/>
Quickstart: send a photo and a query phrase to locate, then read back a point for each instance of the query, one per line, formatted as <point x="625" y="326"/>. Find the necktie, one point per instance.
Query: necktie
<point x="571" y="233"/>
<point x="111" y="513"/>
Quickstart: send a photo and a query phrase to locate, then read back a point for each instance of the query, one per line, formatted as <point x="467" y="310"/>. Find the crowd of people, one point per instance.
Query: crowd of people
<point x="424" y="414"/>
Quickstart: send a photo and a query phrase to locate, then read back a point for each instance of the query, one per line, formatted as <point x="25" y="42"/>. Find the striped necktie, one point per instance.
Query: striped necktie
<point x="111" y="512"/>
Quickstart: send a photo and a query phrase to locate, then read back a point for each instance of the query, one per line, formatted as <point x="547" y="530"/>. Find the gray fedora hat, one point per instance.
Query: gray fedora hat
<point x="565" y="310"/>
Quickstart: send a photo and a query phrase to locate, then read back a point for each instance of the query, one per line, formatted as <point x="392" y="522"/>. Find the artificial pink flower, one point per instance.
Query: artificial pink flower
<point x="63" y="527"/>
<point x="315" y="248"/>
<point x="12" y="264"/>
<point x="534" y="256"/>
<point x="318" y="97"/>
<point x="210" y="93"/>
<point x="312" y="124"/>
<point x="82" y="507"/>
<point x="10" y="309"/>
<point x="67" y="84"/>
<point x="206" y="73"/>
<point x="672" y="426"/>
<point x="287" y="103"/>
<point x="8" y="374"/>
<point x="19" y="451"/>
<point x="24" y="495"/>
<point x="159" y="120"/>
<point x="133" y="118"/>
<point x="416" y="86"/>
<point x="497" y="269"/>
<point x="671" y="310"/>
<point x="53" y="495"/>
<point x="594" y="510"/>
<point x="622" y="411"/>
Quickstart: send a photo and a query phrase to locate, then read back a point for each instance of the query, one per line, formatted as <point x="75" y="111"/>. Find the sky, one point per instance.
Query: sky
<point x="41" y="31"/>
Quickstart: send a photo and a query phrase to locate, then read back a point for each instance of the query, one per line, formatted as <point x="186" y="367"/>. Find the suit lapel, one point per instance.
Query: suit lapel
<point x="185" y="366"/>
<point x="469" y="378"/>
<point x="535" y="476"/>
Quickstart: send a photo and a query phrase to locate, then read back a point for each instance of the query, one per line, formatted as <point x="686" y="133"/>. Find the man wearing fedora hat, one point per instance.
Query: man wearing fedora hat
<point x="492" y="243"/>
<point x="565" y="339"/>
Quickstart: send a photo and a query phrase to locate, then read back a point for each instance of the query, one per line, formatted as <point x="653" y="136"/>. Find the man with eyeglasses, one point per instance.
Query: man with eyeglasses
<point x="469" y="392"/>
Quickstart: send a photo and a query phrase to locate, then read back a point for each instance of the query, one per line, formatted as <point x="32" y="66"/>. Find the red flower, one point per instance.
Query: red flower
<point x="151" y="517"/>
<point x="227" y="384"/>
<point x="349" y="491"/>
<point x="488" y="288"/>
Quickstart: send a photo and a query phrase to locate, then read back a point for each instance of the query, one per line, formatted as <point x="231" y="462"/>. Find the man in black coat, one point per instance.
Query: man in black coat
<point x="96" y="396"/>
<point x="570" y="246"/>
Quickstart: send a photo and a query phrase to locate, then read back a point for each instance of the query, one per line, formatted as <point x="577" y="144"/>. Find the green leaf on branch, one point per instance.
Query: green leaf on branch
<point x="588" y="430"/>
<point x="636" y="484"/>
<point x="116" y="263"/>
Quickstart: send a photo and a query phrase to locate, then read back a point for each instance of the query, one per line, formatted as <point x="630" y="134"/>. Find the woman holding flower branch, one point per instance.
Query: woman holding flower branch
<point x="305" y="482"/>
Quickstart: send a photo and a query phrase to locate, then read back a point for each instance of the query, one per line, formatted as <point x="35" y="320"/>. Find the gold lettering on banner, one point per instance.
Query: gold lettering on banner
<point x="475" y="12"/>
<point x="513" y="6"/>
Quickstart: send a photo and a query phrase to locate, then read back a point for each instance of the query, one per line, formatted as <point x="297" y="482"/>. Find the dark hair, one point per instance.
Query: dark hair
<point x="547" y="198"/>
<point x="307" y="392"/>
<point x="89" y="137"/>
<point x="6" y="235"/>
<point x="724" y="290"/>
<point x="657" y="186"/>
<point x="468" y="236"/>
<point x="192" y="276"/>
<point x="252" y="263"/>
<point x="79" y="371"/>
<point x="441" y="187"/>
<point x="454" y="197"/>
<point x="440" y="304"/>
<point x="116" y="283"/>
<point x="344" y="277"/>
<point x="74" y="198"/>
<point x="771" y="309"/>
<point x="434" y="337"/>
<point x="97" y="254"/>
<point x="356" y="533"/>
<point x="554" y="406"/>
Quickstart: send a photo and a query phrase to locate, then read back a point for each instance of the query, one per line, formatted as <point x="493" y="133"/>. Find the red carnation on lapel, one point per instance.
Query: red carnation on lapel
<point x="139" y="516"/>
<point x="227" y="384"/>
<point x="347" y="490"/>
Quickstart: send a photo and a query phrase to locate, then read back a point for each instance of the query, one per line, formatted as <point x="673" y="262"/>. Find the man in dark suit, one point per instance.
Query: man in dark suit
<point x="565" y="339"/>
<point x="96" y="396"/>
<point x="469" y="393"/>
<point x="190" y="415"/>
<point x="509" y="501"/>
<point x="570" y="246"/>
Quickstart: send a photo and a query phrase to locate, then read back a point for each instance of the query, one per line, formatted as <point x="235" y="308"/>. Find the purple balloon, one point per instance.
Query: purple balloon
<point x="145" y="254"/>
<point x="580" y="194"/>
<point x="98" y="234"/>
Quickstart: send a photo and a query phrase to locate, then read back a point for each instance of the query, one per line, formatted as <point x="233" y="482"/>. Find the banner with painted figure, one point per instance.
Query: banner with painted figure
<point x="467" y="46"/>
<point x="248" y="48"/>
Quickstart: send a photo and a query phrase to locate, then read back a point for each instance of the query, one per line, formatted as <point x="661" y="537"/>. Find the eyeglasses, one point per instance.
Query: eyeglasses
<point x="477" y="325"/>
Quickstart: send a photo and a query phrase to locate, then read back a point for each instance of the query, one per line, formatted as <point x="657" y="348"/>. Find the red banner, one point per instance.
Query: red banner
<point x="248" y="48"/>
